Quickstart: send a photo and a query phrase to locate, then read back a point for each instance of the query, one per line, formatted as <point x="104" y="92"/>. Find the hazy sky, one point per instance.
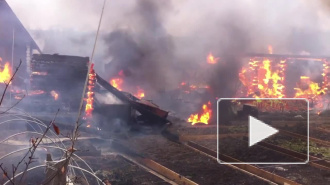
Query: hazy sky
<point x="160" y="42"/>
<point x="83" y="15"/>
<point x="68" y="26"/>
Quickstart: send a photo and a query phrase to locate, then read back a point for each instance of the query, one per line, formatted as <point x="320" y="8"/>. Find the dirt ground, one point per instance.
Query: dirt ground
<point x="121" y="172"/>
<point x="187" y="162"/>
<point x="304" y="174"/>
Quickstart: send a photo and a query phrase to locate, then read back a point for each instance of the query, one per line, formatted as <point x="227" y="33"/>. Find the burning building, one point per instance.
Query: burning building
<point x="273" y="76"/>
<point x="57" y="81"/>
<point x="286" y="76"/>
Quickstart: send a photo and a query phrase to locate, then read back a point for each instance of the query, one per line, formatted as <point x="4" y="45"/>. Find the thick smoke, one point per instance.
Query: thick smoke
<point x="326" y="3"/>
<point x="68" y="42"/>
<point x="159" y="44"/>
<point x="157" y="51"/>
<point x="146" y="51"/>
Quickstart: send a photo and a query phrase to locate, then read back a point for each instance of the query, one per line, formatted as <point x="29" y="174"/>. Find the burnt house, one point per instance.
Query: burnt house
<point x="57" y="80"/>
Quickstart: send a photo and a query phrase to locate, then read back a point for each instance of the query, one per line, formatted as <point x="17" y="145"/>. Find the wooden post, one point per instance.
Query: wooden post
<point x="56" y="171"/>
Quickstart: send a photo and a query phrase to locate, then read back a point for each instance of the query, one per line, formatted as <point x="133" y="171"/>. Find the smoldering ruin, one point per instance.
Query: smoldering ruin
<point x="126" y="92"/>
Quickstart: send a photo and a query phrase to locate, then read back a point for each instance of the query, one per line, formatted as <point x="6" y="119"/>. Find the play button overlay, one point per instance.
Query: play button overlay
<point x="263" y="131"/>
<point x="259" y="131"/>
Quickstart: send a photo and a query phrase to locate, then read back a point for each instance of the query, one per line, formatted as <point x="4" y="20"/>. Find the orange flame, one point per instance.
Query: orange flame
<point x="140" y="93"/>
<point x="5" y="73"/>
<point x="311" y="91"/>
<point x="211" y="59"/>
<point x="54" y="94"/>
<point x="117" y="83"/>
<point x="263" y="80"/>
<point x="204" y="117"/>
<point x="90" y="93"/>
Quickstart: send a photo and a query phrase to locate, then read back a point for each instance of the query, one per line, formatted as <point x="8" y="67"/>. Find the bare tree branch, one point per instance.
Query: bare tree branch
<point x="35" y="145"/>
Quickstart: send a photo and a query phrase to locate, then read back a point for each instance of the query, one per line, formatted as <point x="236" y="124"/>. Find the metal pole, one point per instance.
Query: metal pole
<point x="89" y="68"/>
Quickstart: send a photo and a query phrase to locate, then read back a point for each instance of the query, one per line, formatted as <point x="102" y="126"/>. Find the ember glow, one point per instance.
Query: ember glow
<point x="188" y="88"/>
<point x="5" y="72"/>
<point x="39" y="73"/>
<point x="211" y="59"/>
<point x="202" y="117"/>
<point x="36" y="92"/>
<point x="117" y="83"/>
<point x="54" y="94"/>
<point x="90" y="93"/>
<point x="270" y="49"/>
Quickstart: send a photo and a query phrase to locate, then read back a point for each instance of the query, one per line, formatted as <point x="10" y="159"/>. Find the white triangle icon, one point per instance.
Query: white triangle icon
<point x="259" y="131"/>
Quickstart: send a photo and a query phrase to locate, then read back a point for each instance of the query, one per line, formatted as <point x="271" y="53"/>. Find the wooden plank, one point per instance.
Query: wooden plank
<point x="143" y="109"/>
<point x="247" y="167"/>
<point x="209" y="136"/>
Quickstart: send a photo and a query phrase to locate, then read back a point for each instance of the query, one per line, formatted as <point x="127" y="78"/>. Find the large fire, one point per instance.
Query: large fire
<point x="261" y="79"/>
<point x="203" y="117"/>
<point x="90" y="93"/>
<point x="5" y="72"/>
<point x="265" y="78"/>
